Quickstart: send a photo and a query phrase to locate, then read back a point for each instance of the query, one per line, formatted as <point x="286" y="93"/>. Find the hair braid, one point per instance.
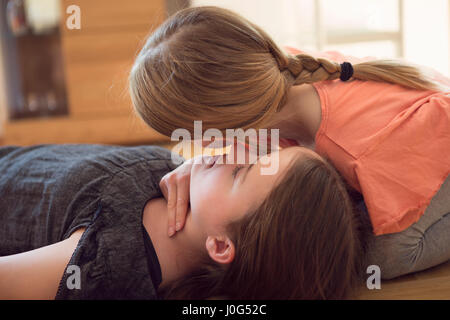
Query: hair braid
<point x="304" y="68"/>
<point x="307" y="69"/>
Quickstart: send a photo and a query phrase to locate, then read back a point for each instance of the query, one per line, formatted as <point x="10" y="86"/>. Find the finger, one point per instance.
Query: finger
<point x="171" y="207"/>
<point x="163" y="187"/>
<point x="182" y="203"/>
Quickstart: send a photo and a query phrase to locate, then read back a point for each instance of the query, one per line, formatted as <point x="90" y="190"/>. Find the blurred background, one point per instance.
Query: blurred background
<point x="63" y="85"/>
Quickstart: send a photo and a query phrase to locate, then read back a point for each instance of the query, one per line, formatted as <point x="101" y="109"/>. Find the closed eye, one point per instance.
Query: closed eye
<point x="236" y="170"/>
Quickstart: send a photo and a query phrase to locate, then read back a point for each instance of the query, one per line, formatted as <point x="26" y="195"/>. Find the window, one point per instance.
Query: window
<point x="414" y="30"/>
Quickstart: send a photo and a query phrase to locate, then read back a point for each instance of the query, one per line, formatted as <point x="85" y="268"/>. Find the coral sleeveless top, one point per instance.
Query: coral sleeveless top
<point x="390" y="143"/>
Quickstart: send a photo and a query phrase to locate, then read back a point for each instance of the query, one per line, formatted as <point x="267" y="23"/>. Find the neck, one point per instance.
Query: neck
<point x="300" y="117"/>
<point x="175" y="254"/>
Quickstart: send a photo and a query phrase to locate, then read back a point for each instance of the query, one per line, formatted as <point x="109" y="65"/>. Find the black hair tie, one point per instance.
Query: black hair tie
<point x="346" y="71"/>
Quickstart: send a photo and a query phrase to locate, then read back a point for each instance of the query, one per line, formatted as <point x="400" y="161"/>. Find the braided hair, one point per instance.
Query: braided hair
<point x="304" y="68"/>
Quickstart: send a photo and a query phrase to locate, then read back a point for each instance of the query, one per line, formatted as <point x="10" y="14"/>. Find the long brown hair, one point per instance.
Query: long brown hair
<point x="211" y="64"/>
<point x="303" y="242"/>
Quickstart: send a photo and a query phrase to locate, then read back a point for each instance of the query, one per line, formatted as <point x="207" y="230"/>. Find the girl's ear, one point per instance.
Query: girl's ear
<point x="220" y="248"/>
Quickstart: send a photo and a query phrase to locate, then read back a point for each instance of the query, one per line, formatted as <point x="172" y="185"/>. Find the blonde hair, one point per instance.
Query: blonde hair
<point x="211" y="64"/>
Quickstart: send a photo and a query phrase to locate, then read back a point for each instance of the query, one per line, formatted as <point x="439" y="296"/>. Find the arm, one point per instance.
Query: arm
<point x="36" y="274"/>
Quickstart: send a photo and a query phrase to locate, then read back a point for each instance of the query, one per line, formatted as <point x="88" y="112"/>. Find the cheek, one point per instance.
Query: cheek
<point x="206" y="204"/>
<point x="208" y="198"/>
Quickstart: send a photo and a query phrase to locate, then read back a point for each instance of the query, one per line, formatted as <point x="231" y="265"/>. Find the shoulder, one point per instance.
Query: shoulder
<point x="78" y="162"/>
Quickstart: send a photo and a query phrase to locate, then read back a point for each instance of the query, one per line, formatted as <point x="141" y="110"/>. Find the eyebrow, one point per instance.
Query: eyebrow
<point x="246" y="172"/>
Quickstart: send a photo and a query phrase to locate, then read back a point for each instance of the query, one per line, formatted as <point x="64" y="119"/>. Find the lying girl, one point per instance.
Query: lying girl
<point x="387" y="130"/>
<point x="97" y="212"/>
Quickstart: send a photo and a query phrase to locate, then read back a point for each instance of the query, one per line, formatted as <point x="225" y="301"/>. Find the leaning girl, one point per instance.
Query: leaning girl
<point x="383" y="124"/>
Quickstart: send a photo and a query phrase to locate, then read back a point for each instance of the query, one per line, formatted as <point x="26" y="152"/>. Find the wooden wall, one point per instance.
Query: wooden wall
<point x="97" y="59"/>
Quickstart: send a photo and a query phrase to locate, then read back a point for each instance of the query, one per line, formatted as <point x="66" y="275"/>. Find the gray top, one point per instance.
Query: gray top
<point x="49" y="191"/>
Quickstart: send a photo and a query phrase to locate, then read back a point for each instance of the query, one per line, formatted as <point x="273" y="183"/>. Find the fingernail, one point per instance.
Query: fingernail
<point x="171" y="231"/>
<point x="178" y="225"/>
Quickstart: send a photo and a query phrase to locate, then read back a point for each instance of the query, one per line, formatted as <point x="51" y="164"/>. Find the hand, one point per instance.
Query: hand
<point x="175" y="188"/>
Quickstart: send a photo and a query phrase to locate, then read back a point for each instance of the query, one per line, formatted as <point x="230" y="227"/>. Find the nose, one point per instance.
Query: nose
<point x="238" y="153"/>
<point x="211" y="161"/>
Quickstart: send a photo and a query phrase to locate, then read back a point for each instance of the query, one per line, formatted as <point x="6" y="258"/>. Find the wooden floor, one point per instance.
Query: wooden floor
<point x="433" y="283"/>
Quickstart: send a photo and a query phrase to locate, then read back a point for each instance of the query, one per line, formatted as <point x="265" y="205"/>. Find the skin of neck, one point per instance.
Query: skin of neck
<point x="177" y="255"/>
<point x="300" y="117"/>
